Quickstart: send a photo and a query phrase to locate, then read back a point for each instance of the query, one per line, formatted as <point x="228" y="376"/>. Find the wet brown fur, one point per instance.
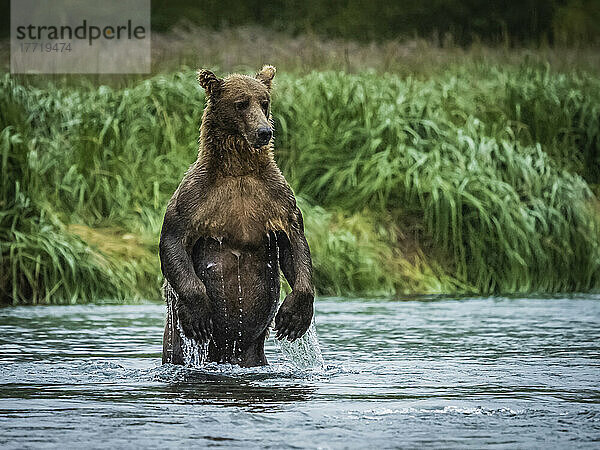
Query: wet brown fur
<point x="230" y="225"/>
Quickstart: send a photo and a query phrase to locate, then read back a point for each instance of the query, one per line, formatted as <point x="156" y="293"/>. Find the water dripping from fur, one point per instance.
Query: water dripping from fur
<point x="195" y="353"/>
<point x="220" y="240"/>
<point x="240" y="300"/>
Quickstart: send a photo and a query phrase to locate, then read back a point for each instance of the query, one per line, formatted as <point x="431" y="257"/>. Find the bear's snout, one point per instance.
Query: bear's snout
<point x="264" y="135"/>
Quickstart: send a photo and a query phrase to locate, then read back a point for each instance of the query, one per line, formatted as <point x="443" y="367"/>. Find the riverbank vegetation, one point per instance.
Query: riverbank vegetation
<point x="480" y="175"/>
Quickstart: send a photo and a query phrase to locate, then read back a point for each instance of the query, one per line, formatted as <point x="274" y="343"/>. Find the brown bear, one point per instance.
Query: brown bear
<point x="229" y="227"/>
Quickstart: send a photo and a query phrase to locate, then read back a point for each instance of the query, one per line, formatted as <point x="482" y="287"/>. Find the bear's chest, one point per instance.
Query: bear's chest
<point x="241" y="210"/>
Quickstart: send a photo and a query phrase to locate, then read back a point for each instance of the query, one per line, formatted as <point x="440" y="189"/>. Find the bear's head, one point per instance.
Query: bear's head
<point x="239" y="105"/>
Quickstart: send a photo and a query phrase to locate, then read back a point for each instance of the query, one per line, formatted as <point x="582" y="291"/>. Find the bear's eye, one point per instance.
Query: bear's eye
<point x="242" y="104"/>
<point x="265" y="105"/>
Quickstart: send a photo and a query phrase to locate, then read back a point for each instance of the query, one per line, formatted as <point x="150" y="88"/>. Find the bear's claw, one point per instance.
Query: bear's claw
<point x="294" y="316"/>
<point x="194" y="317"/>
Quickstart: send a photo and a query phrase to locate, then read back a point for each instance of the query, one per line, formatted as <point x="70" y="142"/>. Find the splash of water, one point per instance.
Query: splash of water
<point x="195" y="353"/>
<point x="305" y="352"/>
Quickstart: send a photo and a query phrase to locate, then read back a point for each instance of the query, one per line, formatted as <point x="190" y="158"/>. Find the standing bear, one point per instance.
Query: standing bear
<point x="229" y="227"/>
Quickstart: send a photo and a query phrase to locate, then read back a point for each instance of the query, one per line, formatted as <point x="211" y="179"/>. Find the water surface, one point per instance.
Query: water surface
<point x="426" y="372"/>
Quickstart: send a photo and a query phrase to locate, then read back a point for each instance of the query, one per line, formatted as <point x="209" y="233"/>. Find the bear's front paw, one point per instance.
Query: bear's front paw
<point x="294" y="316"/>
<point x="195" y="316"/>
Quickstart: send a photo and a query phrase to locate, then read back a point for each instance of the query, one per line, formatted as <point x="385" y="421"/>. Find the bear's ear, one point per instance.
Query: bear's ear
<point x="209" y="81"/>
<point x="266" y="75"/>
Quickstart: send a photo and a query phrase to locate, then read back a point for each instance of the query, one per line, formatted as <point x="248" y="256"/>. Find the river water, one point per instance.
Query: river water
<point x="425" y="372"/>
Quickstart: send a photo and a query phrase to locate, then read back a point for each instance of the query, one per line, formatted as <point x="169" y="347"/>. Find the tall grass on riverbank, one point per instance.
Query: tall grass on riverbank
<point x="453" y="183"/>
<point x="503" y="214"/>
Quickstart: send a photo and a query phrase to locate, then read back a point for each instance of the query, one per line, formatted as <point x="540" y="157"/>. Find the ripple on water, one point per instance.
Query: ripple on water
<point x="443" y="373"/>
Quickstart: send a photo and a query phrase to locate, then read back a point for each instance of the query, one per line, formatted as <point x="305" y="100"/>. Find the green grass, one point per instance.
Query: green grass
<point x="474" y="179"/>
<point x="562" y="112"/>
<point x="502" y="214"/>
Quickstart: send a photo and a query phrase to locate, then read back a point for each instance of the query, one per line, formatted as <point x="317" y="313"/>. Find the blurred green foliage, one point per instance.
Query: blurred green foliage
<point x="462" y="21"/>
